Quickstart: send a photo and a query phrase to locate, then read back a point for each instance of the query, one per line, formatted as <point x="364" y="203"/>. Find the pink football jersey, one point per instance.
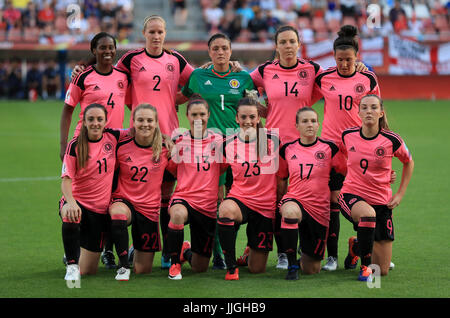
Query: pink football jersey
<point x="197" y="164"/>
<point x="287" y="90"/>
<point x="92" y="185"/>
<point x="108" y="90"/>
<point x="342" y="95"/>
<point x="140" y="177"/>
<point x="308" y="168"/>
<point x="155" y="80"/>
<point x="254" y="180"/>
<point x="369" y="163"/>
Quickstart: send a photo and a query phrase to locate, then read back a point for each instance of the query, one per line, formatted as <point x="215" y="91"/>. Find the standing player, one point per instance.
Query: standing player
<point x="307" y="162"/>
<point x="197" y="166"/>
<point x="222" y="88"/>
<point x="252" y="155"/>
<point x="141" y="161"/>
<point x="100" y="83"/>
<point x="366" y="197"/>
<point x="342" y="87"/>
<point x="87" y="178"/>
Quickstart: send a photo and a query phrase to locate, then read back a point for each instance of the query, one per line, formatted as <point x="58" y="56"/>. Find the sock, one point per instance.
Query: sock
<point x="164" y="222"/>
<point x="366" y="236"/>
<point x="227" y="237"/>
<point x="175" y="237"/>
<point x="71" y="241"/>
<point x="119" y="236"/>
<point x="333" y="234"/>
<point x="289" y="239"/>
<point x="217" y="249"/>
<point x="276" y="231"/>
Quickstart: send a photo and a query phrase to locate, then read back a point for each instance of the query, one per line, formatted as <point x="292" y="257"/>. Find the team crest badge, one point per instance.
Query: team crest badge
<point x="359" y="88"/>
<point x="380" y="152"/>
<point x="234" y="83"/>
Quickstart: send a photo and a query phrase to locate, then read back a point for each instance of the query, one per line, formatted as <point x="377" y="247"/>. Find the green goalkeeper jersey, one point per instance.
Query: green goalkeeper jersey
<point x="222" y="91"/>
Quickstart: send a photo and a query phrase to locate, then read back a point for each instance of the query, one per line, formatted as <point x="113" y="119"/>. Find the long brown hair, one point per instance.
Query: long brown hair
<point x="157" y="135"/>
<point x="83" y="140"/>
<point x="382" y="122"/>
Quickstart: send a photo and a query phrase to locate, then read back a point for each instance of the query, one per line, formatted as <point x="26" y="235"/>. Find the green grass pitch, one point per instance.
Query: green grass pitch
<point x="30" y="228"/>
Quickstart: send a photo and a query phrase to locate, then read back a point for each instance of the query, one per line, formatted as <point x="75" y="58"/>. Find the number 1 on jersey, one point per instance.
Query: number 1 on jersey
<point x="222" y="101"/>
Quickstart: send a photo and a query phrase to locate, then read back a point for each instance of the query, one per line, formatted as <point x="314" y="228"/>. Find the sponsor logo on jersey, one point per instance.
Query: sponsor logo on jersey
<point x="142" y="69"/>
<point x="128" y="159"/>
<point x="293" y="157"/>
<point x="332" y="88"/>
<point x="208" y="82"/>
<point x="96" y="88"/>
<point x="352" y="149"/>
<point x="234" y="83"/>
<point x="275" y="76"/>
<point x="120" y="84"/>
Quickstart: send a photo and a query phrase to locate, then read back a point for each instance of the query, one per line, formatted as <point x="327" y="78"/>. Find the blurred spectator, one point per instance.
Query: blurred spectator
<point x="395" y="12"/>
<point x="212" y="14"/>
<point x="180" y="12"/>
<point x="246" y="12"/>
<point x="12" y="15"/>
<point x="332" y="11"/>
<point x="124" y="19"/>
<point x="46" y="16"/>
<point x="33" y="82"/>
<point x="303" y="8"/>
<point x="92" y="8"/>
<point x="231" y="22"/>
<point x="30" y="15"/>
<point x="272" y="23"/>
<point x="15" y="80"/>
<point x="51" y="85"/>
<point x="258" y="27"/>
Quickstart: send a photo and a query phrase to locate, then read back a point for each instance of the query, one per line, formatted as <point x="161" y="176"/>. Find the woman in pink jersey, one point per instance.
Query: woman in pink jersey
<point x="252" y="154"/>
<point x="140" y="165"/>
<point x="100" y="83"/>
<point x="196" y="162"/>
<point x="307" y="162"/>
<point x="342" y="87"/>
<point x="87" y="178"/>
<point x="366" y="197"/>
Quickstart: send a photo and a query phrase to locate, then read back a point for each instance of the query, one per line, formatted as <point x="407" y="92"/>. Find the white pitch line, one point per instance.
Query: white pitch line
<point x="29" y="179"/>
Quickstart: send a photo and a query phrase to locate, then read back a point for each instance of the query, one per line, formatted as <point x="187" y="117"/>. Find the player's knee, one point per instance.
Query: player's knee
<point x="227" y="210"/>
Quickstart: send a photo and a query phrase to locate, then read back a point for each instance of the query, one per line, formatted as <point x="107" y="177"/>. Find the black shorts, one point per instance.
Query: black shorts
<point x="336" y="180"/>
<point x="313" y="235"/>
<point x="93" y="228"/>
<point x="260" y="229"/>
<point x="202" y="228"/>
<point x="144" y="232"/>
<point x="384" y="229"/>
